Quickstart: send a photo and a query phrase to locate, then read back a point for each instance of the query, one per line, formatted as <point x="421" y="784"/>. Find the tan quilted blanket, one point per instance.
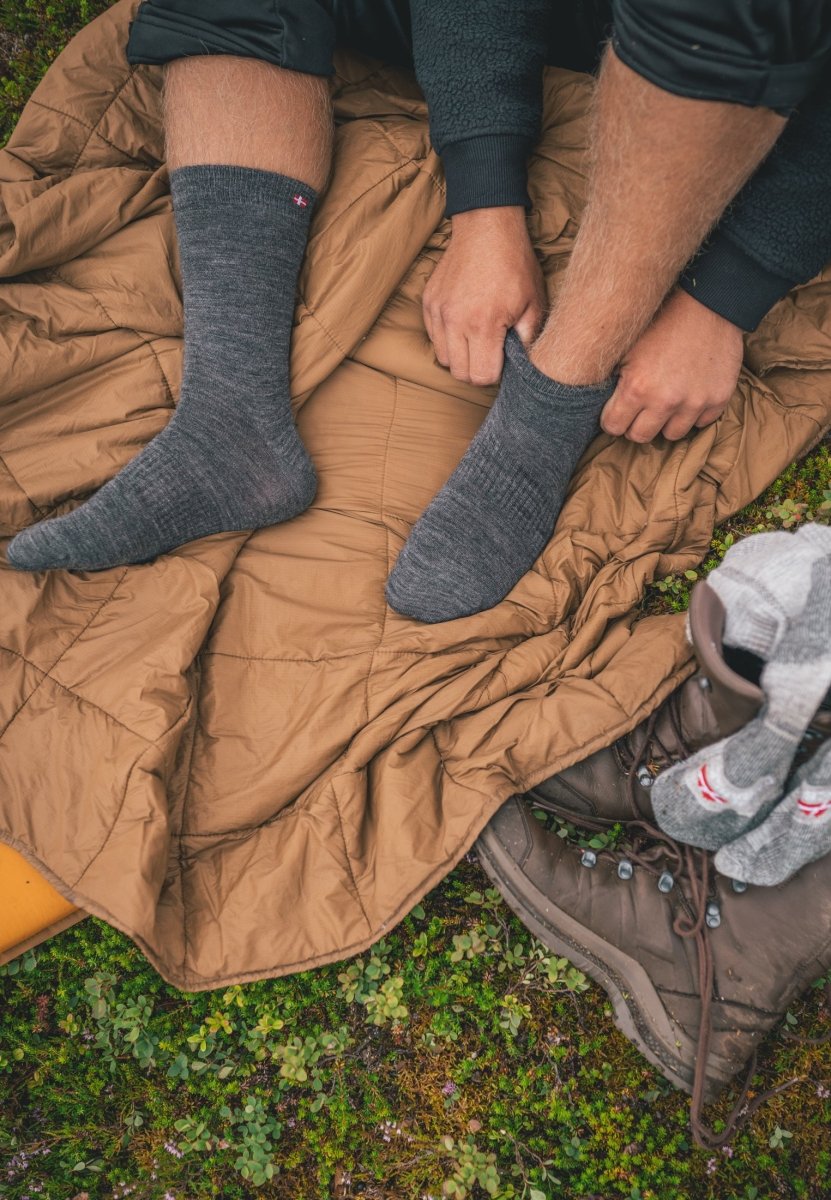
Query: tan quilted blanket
<point x="237" y="754"/>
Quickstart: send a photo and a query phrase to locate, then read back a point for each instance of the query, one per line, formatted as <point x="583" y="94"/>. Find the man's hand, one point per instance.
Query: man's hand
<point x="681" y="373"/>
<point x="488" y="280"/>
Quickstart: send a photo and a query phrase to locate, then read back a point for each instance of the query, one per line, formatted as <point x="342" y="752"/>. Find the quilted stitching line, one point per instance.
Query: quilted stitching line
<point x="324" y="328"/>
<point x="509" y="639"/>
<point x="368" y="675"/>
<point x="92" y="129"/>
<point x="346" y="853"/>
<point x="144" y="339"/>
<point x="19" y="485"/>
<point x="46" y="674"/>
<point x="385" y="609"/>
<point x="180" y="853"/>
<point x="64" y="652"/>
<point x="153" y="745"/>
<point x="403" y="161"/>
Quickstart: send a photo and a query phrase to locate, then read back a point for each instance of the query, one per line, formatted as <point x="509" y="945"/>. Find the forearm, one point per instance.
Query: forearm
<point x="664" y="168"/>
<point x="480" y="68"/>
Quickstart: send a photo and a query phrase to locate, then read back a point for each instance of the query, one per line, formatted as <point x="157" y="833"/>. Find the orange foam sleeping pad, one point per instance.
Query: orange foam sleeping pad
<point x="31" y="911"/>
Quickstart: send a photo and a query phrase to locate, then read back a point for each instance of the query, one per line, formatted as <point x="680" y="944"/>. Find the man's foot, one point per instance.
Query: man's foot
<point x="178" y="489"/>
<point x="494" y="516"/>
<point x="230" y="458"/>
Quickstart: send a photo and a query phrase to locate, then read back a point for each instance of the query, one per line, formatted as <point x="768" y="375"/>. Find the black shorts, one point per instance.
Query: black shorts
<point x="768" y="53"/>
<point x="301" y="35"/>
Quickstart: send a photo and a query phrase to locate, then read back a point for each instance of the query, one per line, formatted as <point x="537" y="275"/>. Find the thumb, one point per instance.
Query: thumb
<point x="528" y="323"/>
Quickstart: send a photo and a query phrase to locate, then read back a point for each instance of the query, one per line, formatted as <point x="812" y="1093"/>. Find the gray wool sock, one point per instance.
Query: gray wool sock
<point x="763" y="582"/>
<point x="729" y="788"/>
<point x="230" y="457"/>
<point x="797" y="832"/>
<point x="494" y="516"/>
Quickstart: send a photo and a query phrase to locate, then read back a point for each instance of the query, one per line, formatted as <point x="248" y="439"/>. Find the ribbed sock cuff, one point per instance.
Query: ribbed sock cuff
<point x="210" y="184"/>
<point x="578" y="395"/>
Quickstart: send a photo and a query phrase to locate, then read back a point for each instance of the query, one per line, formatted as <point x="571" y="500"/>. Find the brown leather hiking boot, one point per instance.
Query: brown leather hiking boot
<point x="697" y="972"/>
<point x="613" y="784"/>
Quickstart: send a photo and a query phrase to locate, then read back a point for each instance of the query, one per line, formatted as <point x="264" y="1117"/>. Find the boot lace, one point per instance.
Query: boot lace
<point x="654" y="851"/>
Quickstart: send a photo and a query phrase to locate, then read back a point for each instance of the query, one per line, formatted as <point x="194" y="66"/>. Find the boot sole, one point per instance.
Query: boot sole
<point x="637" y="1007"/>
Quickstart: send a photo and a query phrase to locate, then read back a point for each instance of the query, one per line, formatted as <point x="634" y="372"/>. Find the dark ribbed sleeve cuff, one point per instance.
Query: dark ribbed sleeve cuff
<point x="731" y="283"/>
<point x="487" y="172"/>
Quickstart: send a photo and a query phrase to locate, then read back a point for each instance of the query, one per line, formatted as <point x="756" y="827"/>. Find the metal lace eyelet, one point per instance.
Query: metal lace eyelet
<point x="704" y="683"/>
<point x="588" y="859"/>
<point x="738" y="885"/>
<point x="644" y="777"/>
<point x="666" y="882"/>
<point x="625" y="869"/>
<point x="712" y="914"/>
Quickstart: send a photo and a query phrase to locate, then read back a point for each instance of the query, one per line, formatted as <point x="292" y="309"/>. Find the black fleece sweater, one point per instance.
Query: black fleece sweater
<point x="480" y="64"/>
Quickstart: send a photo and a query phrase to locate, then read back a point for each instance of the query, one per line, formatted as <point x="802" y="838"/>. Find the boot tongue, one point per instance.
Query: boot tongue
<point x="735" y="698"/>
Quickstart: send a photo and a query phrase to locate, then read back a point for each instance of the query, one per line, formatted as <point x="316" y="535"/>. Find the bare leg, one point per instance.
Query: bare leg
<point x="249" y="148"/>
<point x="246" y="113"/>
<point x="664" y="169"/>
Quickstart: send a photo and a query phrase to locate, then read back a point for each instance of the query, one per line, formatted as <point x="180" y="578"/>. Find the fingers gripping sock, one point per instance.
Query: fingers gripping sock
<point x="495" y="514"/>
<point x="728" y="788"/>
<point x="797" y="832"/>
<point x="230" y="457"/>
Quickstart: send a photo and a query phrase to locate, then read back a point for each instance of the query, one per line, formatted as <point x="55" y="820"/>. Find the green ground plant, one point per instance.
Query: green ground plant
<point x="455" y="1058"/>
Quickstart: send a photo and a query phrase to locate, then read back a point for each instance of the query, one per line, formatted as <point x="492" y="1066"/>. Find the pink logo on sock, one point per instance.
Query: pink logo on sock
<point x="813" y="808"/>
<point x="706" y="789"/>
<point x="300" y="201"/>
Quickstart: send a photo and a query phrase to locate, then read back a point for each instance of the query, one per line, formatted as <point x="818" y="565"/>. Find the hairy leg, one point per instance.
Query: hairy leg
<point x="246" y="113"/>
<point x="249" y="147"/>
<point x="664" y="168"/>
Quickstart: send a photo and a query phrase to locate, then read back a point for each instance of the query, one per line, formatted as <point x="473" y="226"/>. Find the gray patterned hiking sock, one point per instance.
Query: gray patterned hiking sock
<point x="797" y="832"/>
<point x="726" y="789"/>
<point x="230" y="457"/>
<point x="494" y="516"/>
<point x="763" y="581"/>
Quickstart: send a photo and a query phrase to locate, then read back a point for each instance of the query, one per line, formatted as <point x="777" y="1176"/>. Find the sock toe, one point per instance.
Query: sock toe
<point x="32" y="550"/>
<point x="409" y="605"/>
<point x="744" y="860"/>
<point x="726" y="864"/>
<point x="679" y="814"/>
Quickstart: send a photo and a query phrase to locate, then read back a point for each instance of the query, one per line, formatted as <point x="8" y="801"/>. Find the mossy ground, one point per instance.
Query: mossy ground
<point x="454" y="1058"/>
